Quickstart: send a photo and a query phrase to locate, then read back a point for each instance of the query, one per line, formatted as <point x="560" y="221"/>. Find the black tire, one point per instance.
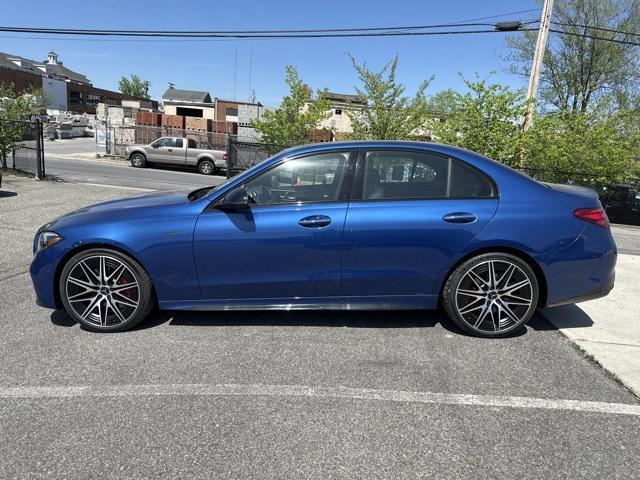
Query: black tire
<point x="138" y="160"/>
<point x="491" y="311"/>
<point x="206" y="167"/>
<point x="130" y="316"/>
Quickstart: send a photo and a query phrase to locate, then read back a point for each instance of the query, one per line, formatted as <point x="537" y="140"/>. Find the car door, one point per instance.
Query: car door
<point x="179" y="151"/>
<point x="162" y="150"/>
<point x="287" y="244"/>
<point x="411" y="212"/>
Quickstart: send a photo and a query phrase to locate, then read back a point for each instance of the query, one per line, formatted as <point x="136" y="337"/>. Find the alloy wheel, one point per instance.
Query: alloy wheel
<point x="494" y="296"/>
<point x="102" y="290"/>
<point x="137" y="161"/>
<point x="206" y="168"/>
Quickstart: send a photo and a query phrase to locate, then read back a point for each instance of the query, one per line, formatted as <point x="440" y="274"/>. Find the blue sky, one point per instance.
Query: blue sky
<point x="209" y="65"/>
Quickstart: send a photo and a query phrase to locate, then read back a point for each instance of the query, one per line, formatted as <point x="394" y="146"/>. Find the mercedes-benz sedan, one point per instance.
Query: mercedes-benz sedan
<point x="363" y="225"/>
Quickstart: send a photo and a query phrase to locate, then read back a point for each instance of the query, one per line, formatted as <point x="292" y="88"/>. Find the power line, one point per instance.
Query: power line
<point x="251" y="36"/>
<point x="595" y="37"/>
<point x="591" y="27"/>
<point x="241" y="34"/>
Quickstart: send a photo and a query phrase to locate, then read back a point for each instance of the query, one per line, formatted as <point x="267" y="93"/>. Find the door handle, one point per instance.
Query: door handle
<point x="169" y="150"/>
<point x="459" y="217"/>
<point x="315" y="221"/>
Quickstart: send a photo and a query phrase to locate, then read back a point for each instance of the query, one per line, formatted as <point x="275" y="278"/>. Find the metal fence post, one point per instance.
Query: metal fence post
<point x="39" y="161"/>
<point x="228" y="148"/>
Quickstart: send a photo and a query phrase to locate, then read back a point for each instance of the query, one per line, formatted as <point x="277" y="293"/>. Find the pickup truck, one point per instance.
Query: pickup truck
<point x="176" y="151"/>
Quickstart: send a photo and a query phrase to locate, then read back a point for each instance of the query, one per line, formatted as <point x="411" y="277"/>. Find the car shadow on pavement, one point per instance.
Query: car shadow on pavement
<point x="309" y="318"/>
<point x="319" y="318"/>
<point x="7" y="193"/>
<point x="567" y="316"/>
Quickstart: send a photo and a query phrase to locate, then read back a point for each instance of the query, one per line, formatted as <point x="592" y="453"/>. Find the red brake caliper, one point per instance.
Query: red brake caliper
<point x="126" y="293"/>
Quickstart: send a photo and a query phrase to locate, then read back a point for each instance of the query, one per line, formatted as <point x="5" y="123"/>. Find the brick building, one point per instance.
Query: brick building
<point x="62" y="88"/>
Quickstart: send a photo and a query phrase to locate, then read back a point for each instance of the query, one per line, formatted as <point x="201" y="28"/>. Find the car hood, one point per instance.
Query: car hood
<point x="140" y="206"/>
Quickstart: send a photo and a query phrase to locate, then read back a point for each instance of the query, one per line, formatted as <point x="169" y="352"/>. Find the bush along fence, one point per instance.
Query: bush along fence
<point x="22" y="146"/>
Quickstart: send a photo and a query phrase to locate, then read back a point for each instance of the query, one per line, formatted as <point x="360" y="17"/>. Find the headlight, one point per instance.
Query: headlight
<point x="48" y="239"/>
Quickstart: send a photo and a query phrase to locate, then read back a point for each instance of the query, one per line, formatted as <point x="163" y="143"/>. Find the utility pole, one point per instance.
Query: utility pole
<point x="536" y="66"/>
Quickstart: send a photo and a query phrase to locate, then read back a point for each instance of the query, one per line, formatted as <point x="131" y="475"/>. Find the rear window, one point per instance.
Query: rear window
<point x="467" y="182"/>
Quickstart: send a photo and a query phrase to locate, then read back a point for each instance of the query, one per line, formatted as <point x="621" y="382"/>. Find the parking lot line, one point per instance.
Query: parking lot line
<point x="45" y="392"/>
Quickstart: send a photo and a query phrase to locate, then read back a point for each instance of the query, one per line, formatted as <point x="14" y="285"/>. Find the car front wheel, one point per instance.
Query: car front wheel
<point x="105" y="290"/>
<point x="491" y="295"/>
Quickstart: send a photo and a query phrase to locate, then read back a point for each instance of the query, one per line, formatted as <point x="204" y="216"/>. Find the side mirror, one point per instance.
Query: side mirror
<point x="236" y="199"/>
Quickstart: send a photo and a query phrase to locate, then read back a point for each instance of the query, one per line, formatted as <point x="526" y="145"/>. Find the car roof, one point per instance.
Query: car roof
<point x="316" y="147"/>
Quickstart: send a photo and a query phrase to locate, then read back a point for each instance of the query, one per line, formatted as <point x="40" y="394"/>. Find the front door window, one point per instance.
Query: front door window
<point x="315" y="178"/>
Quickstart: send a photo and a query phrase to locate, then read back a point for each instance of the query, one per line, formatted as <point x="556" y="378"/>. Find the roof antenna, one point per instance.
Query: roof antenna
<point x="171" y="85"/>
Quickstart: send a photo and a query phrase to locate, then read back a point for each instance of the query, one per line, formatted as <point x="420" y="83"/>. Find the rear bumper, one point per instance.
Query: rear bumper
<point x="601" y="292"/>
<point x="583" y="271"/>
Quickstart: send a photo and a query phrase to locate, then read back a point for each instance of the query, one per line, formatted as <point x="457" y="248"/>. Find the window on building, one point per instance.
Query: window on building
<point x="231" y="111"/>
<point x="190" y="112"/>
<point x="76" y="97"/>
<point x="93" y="99"/>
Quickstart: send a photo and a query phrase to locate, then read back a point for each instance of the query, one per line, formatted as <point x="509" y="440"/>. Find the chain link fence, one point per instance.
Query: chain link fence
<point x="242" y="154"/>
<point x="22" y="146"/>
<point x="620" y="199"/>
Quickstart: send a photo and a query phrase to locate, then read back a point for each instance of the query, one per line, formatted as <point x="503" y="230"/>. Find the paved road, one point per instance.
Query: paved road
<point x="70" y="146"/>
<point x="120" y="173"/>
<point x="289" y="394"/>
<point x="627" y="238"/>
<point x="70" y="160"/>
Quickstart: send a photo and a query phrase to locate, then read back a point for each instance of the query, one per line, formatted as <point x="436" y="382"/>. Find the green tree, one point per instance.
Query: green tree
<point x="296" y="119"/>
<point x="443" y="103"/>
<point x="134" y="86"/>
<point x="584" y="147"/>
<point x="580" y="72"/>
<point x="15" y="111"/>
<point x="389" y="114"/>
<point x="485" y="119"/>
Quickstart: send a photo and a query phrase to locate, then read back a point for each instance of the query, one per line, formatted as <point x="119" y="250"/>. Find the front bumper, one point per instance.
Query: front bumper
<point x="43" y="272"/>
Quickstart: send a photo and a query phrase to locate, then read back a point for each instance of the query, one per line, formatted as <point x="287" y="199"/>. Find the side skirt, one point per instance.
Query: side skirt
<point x="391" y="302"/>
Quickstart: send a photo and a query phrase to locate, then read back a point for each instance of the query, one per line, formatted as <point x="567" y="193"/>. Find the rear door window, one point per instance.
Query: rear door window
<point x="401" y="174"/>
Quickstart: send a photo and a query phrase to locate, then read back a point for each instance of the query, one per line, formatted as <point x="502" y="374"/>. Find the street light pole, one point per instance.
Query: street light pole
<point x="538" y="56"/>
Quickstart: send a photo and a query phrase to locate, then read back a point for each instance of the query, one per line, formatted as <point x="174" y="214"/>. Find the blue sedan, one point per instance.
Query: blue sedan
<point x="362" y="225"/>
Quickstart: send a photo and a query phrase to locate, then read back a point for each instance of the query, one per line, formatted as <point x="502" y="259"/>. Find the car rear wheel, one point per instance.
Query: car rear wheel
<point x="138" y="160"/>
<point x="105" y="290"/>
<point x="206" y="167"/>
<point x="491" y="295"/>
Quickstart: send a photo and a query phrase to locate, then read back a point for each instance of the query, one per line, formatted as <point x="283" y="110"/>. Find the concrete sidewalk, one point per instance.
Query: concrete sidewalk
<point x="608" y="329"/>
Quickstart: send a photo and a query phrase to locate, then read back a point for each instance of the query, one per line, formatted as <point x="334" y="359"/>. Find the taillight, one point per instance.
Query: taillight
<point x="593" y="215"/>
<point x="225" y="157"/>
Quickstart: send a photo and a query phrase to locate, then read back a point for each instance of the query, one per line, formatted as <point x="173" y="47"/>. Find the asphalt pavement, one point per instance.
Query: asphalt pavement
<point x="74" y="161"/>
<point x="289" y="394"/>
